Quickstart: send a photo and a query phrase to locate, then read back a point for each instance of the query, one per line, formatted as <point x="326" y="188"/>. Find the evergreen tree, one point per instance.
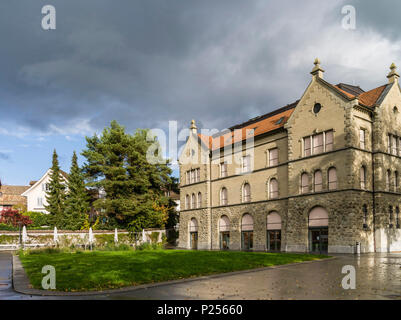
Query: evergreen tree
<point x="77" y="198"/>
<point x="55" y="195"/>
<point x="117" y="163"/>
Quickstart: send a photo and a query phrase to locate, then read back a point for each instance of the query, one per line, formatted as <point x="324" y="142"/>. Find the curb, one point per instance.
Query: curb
<point x="22" y="285"/>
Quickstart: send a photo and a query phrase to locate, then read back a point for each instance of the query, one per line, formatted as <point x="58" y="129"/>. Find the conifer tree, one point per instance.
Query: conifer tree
<point x="55" y="195"/>
<point x="77" y="198"/>
<point x="116" y="162"/>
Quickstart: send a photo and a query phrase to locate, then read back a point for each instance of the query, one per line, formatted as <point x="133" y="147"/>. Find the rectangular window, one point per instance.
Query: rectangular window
<point x="246" y="163"/>
<point x="223" y="169"/>
<point x="362" y="139"/>
<point x="40" y="202"/>
<point x="318" y="181"/>
<point x="394" y="145"/>
<point x="318" y="143"/>
<point x="307" y="146"/>
<point x="187" y="177"/>
<point x="197" y="175"/>
<point x="329" y="140"/>
<point x="389" y="143"/>
<point x="273" y="157"/>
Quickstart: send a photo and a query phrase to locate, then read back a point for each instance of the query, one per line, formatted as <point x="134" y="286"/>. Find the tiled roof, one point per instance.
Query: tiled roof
<point x="11" y="195"/>
<point x="259" y="125"/>
<point x="276" y="119"/>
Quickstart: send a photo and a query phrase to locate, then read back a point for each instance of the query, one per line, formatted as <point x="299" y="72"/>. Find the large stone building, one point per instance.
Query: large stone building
<point x="319" y="175"/>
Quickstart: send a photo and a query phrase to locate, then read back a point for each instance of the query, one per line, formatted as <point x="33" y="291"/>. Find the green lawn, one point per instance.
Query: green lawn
<point x="99" y="270"/>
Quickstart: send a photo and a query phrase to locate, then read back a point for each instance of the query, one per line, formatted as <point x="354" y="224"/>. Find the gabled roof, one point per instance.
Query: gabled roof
<point x="63" y="173"/>
<point x="277" y="119"/>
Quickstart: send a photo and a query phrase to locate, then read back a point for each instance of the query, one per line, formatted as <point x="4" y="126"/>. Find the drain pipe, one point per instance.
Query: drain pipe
<point x="373" y="184"/>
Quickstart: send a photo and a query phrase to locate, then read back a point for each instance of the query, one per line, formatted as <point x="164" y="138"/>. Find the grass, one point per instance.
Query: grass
<point x="99" y="270"/>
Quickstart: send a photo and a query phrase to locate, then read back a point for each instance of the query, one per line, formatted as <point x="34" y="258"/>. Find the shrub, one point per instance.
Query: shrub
<point x="154" y="236"/>
<point x="7" y="227"/>
<point x="14" y="218"/>
<point x="149" y="246"/>
<point x="39" y="219"/>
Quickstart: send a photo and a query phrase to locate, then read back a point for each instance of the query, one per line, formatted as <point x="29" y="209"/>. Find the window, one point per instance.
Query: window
<point x="397" y="217"/>
<point x="40" y="201"/>
<point x="389" y="143"/>
<point x="193" y="202"/>
<point x="273" y="186"/>
<point x="332" y="173"/>
<point x="246" y="192"/>
<point x="307" y="147"/>
<point x="304" y="183"/>
<point x="396" y="181"/>
<point x="321" y="142"/>
<point x="388" y="179"/>
<point x="192" y="176"/>
<point x="362" y="177"/>
<point x="199" y="200"/>
<point x="316" y="108"/>
<point x="273" y="157"/>
<point x="362" y="139"/>
<point x="188" y="177"/>
<point x="197" y="175"/>
<point x="318" y="181"/>
<point x="394" y="145"/>
<point x="246" y="163"/>
<point x="223" y="197"/>
<point x="187" y="201"/>
<point x="390" y="209"/>
<point x="318" y="143"/>
<point x="223" y="169"/>
<point x="365" y="216"/>
<point x="329" y="140"/>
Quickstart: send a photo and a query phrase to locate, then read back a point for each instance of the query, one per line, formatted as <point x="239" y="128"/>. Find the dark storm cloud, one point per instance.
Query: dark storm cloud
<point x="146" y="62"/>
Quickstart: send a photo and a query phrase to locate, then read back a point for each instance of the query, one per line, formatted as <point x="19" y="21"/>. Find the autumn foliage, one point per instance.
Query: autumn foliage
<point x="13" y="217"/>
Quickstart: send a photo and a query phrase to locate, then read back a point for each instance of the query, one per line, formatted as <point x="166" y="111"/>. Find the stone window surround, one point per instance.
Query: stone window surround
<point x="312" y="146"/>
<point x="221" y="196"/>
<point x="268" y="157"/>
<point x="269" y="180"/>
<point x="246" y="182"/>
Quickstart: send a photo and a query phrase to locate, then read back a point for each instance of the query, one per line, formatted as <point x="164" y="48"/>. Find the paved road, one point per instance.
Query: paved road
<point x="378" y="277"/>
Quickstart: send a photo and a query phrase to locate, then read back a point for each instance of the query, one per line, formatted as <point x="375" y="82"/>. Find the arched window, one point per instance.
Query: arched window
<point x="332" y="174"/>
<point x="224" y="231"/>
<point x="362" y="177"/>
<point x="273" y="189"/>
<point x="247" y="222"/>
<point x="318" y="217"/>
<point x="193" y="201"/>
<point x="273" y="221"/>
<point x="388" y="179"/>
<point x="199" y="200"/>
<point x="193" y="225"/>
<point x="304" y="183"/>
<point x="223" y="197"/>
<point x="187" y="204"/>
<point x="246" y="192"/>
<point x="318" y="181"/>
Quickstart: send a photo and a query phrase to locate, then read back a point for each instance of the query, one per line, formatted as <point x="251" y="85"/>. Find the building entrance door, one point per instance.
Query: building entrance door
<point x="194" y="240"/>
<point x="274" y="240"/>
<point x="247" y="240"/>
<point x="224" y="240"/>
<point x="319" y="240"/>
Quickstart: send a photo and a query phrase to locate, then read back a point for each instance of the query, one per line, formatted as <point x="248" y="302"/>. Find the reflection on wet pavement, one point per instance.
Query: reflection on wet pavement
<point x="378" y="276"/>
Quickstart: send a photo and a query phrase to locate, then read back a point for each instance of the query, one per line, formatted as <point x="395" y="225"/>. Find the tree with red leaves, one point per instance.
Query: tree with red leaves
<point x="13" y="217"/>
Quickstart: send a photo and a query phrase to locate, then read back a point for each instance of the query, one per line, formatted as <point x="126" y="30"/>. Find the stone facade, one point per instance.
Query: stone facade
<point x="335" y="209"/>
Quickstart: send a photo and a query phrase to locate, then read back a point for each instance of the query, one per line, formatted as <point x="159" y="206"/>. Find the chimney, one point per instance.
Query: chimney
<point x="317" y="71"/>
<point x="393" y="75"/>
<point x="193" y="127"/>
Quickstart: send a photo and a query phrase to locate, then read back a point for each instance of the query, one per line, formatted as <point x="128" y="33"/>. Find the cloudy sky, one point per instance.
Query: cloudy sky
<point x="146" y="62"/>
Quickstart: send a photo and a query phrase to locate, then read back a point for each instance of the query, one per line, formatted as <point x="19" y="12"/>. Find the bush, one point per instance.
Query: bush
<point x="7" y="227"/>
<point x="149" y="246"/>
<point x="116" y="247"/>
<point x="39" y="219"/>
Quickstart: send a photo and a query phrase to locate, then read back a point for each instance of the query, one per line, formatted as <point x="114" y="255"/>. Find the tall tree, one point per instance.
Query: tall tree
<point x="55" y="195"/>
<point x="117" y="163"/>
<point x="77" y="198"/>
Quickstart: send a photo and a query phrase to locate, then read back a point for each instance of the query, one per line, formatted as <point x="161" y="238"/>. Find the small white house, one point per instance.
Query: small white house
<point x="36" y="194"/>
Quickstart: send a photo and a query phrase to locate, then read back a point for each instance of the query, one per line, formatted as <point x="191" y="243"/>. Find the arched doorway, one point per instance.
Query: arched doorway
<point x="318" y="230"/>
<point x="247" y="232"/>
<point x="224" y="231"/>
<point x="193" y="234"/>
<point x="273" y="231"/>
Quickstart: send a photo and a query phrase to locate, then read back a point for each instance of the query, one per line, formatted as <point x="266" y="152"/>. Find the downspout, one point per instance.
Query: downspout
<point x="211" y="203"/>
<point x="373" y="184"/>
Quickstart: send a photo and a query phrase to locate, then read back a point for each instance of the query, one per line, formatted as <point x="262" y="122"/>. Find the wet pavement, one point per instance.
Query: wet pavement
<point x="378" y="276"/>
